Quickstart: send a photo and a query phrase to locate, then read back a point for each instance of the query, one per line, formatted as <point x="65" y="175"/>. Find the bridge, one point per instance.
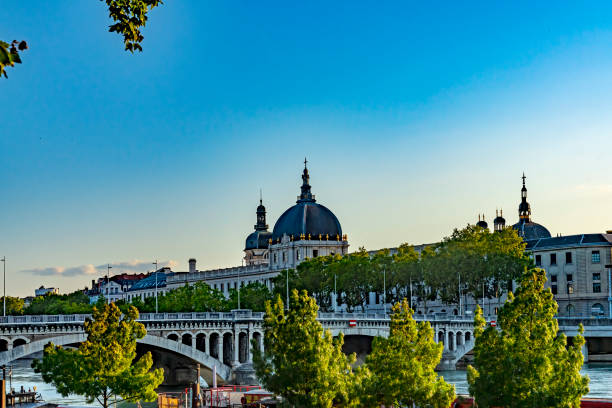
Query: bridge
<point x="222" y="339"/>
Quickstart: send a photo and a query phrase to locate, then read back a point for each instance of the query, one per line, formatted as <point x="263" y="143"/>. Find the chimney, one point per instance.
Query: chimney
<point x="192" y="265"/>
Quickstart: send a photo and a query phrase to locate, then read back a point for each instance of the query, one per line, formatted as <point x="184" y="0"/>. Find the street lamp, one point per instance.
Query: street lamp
<point x="155" y="263"/>
<point x="384" y="291"/>
<point x="108" y="268"/>
<point x="4" y="286"/>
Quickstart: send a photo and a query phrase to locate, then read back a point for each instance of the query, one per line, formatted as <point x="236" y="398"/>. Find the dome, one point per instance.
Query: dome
<point x="531" y="230"/>
<point x="258" y="240"/>
<point x="307" y="217"/>
<point x="481" y="222"/>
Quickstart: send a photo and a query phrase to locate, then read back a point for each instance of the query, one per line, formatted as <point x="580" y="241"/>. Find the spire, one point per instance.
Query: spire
<point x="524" y="207"/>
<point x="261" y="216"/>
<point x="306" y="194"/>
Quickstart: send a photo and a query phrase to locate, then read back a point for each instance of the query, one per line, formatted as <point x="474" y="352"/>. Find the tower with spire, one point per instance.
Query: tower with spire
<point x="525" y="227"/>
<point x="256" y="244"/>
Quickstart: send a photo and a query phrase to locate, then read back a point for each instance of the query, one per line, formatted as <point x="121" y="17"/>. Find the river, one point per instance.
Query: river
<point x="23" y="375"/>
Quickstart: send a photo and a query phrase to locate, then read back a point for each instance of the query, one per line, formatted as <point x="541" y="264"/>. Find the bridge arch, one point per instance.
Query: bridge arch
<point x="223" y="370"/>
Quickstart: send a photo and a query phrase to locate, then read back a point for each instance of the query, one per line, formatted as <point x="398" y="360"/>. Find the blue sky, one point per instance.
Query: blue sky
<point x="415" y="118"/>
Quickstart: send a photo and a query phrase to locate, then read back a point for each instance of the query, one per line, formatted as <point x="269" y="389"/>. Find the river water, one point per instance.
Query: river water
<point x="23" y="375"/>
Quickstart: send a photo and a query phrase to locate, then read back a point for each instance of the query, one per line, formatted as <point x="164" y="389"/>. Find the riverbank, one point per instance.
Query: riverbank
<point x="24" y="375"/>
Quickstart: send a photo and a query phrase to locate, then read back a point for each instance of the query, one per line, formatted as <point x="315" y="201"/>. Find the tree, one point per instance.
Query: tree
<point x="252" y="296"/>
<point x="400" y="369"/>
<point x="9" y="54"/>
<point x="51" y="303"/>
<point x="301" y="362"/>
<point x="103" y="366"/>
<point x="356" y="279"/>
<point x="526" y="361"/>
<point x="130" y="16"/>
<point x="14" y="305"/>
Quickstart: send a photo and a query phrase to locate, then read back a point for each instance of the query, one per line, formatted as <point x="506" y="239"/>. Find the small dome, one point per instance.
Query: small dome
<point x="531" y="230"/>
<point x="481" y="222"/>
<point x="257" y="240"/>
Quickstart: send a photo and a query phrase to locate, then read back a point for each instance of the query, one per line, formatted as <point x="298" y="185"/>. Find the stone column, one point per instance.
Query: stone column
<point x="261" y="343"/>
<point x="446" y="340"/>
<point x="585" y="352"/>
<point x="236" y="359"/>
<point x="249" y="351"/>
<point x="206" y="345"/>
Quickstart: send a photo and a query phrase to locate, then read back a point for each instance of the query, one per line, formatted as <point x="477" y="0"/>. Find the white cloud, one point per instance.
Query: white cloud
<point x="135" y="266"/>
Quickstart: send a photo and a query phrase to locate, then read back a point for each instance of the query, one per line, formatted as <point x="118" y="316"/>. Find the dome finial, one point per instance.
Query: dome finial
<point x="261" y="215"/>
<point x="306" y="194"/>
<point x="260" y="198"/>
<point x="524" y="207"/>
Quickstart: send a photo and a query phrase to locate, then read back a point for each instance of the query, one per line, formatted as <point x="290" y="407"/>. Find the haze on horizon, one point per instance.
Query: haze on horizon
<point x="414" y="119"/>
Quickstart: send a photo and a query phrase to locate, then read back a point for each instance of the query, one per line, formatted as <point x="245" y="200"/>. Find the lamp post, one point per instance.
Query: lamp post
<point x="459" y="275"/>
<point x="335" y="295"/>
<point x="384" y="291"/>
<point x="239" y="285"/>
<point x="4" y="286"/>
<point x="155" y="263"/>
<point x="287" y="270"/>
<point x="108" y="268"/>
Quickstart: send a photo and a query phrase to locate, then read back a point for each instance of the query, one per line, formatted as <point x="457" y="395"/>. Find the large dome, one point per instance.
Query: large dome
<point x="307" y="217"/>
<point x="531" y="230"/>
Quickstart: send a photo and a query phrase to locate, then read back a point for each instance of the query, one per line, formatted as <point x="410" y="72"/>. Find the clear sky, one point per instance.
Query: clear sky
<point x="414" y="119"/>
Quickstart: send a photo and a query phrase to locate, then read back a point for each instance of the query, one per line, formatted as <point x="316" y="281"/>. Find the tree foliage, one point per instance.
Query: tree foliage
<point x="301" y="362"/>
<point x="526" y="361"/>
<point x="103" y="366"/>
<point x="252" y="296"/>
<point x="400" y="369"/>
<point x="14" y="305"/>
<point x="51" y="303"/>
<point x="130" y="16"/>
<point x="9" y="54"/>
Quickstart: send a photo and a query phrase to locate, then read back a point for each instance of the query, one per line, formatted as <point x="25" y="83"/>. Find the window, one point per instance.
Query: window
<point x="595" y="257"/>
<point x="297" y="254"/>
<point x="538" y="260"/>
<point x="553" y="289"/>
<point x="222" y="288"/>
<point x="596" y="276"/>
<point x="275" y="260"/>
<point x="315" y="253"/>
<point x="569" y="309"/>
<point x="568" y="257"/>
<point x="597" y="309"/>
<point x="569" y="277"/>
<point x="596" y="287"/>
<point x="570" y="289"/>
<point x="284" y="257"/>
<point x="553" y="279"/>
<point x="553" y="259"/>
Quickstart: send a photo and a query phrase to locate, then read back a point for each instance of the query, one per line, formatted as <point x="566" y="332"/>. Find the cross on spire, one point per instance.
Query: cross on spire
<point x="305" y="162"/>
<point x="523" y="179"/>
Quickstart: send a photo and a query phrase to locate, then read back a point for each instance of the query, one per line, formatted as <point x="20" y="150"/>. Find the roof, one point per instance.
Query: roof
<point x="580" y="240"/>
<point x="258" y="240"/>
<point x="149" y="281"/>
<point x="531" y="230"/>
<point x="307" y="217"/>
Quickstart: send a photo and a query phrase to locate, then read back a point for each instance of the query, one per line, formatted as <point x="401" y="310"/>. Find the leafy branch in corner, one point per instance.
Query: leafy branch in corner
<point x="9" y="54"/>
<point x="130" y="16"/>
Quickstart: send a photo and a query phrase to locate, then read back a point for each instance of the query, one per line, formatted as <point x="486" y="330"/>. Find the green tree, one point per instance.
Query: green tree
<point x="356" y="278"/>
<point x="400" y="369"/>
<point x="252" y="296"/>
<point x="51" y="303"/>
<point x="103" y="367"/>
<point x="9" y="54"/>
<point x="130" y="16"/>
<point x="301" y="362"/>
<point x="526" y="361"/>
<point x="14" y="305"/>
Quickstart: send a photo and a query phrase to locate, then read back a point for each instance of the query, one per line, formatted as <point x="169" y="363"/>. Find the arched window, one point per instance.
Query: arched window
<point x="597" y="310"/>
